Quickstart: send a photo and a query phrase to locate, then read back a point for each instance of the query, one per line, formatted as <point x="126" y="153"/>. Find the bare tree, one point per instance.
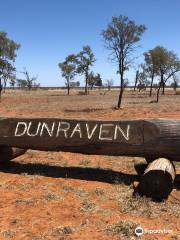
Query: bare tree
<point x="29" y="82"/>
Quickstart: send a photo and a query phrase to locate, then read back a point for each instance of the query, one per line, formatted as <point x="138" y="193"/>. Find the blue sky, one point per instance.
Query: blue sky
<point x="49" y="30"/>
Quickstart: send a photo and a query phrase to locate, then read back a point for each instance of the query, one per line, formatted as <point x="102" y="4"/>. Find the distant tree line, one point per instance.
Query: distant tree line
<point x="121" y="38"/>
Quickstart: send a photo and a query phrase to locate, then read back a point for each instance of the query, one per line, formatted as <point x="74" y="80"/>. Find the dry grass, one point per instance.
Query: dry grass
<point x="48" y="195"/>
<point x="122" y="228"/>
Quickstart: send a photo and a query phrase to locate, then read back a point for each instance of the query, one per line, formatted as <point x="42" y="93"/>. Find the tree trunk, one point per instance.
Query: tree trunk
<point x="163" y="88"/>
<point x="86" y="84"/>
<point x="137" y="76"/>
<point x="157" y="180"/>
<point x="121" y="90"/>
<point x="5" y="82"/>
<point x="151" y="87"/>
<point x="160" y="85"/>
<point x="1" y="88"/>
<point x="68" y="89"/>
<point x="157" y="96"/>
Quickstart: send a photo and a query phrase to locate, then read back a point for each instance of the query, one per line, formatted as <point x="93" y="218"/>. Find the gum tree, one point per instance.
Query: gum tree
<point x="8" y="50"/>
<point x="167" y="64"/>
<point x="68" y="70"/>
<point x="150" y="67"/>
<point x="121" y="37"/>
<point x="84" y="61"/>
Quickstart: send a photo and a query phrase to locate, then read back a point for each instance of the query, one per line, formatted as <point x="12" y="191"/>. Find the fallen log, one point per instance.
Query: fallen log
<point x="142" y="138"/>
<point x="157" y="180"/>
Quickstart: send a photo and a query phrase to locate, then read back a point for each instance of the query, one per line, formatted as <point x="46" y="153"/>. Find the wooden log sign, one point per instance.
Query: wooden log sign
<point x="143" y="138"/>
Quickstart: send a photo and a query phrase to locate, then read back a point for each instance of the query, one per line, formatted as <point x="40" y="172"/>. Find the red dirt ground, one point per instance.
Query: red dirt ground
<point x="49" y="195"/>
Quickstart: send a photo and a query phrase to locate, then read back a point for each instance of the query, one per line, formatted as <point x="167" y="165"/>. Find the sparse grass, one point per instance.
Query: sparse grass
<point x="145" y="206"/>
<point x="137" y="205"/>
<point x="100" y="198"/>
<point x="122" y="228"/>
<point x="39" y="238"/>
<point x="8" y="234"/>
<point x="61" y="231"/>
<point x="85" y="162"/>
<point x="49" y="196"/>
<point x="26" y="202"/>
<point x="80" y="192"/>
<point x="7" y="185"/>
<point x="99" y="191"/>
<point x="88" y="206"/>
<point x="24" y="186"/>
<point x="68" y="188"/>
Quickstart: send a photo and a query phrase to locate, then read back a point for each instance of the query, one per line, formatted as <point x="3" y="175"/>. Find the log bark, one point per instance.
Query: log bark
<point x="151" y="139"/>
<point x="157" y="180"/>
<point x="9" y="153"/>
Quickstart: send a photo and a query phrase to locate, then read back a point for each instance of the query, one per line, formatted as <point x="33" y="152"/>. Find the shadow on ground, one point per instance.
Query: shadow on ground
<point x="89" y="174"/>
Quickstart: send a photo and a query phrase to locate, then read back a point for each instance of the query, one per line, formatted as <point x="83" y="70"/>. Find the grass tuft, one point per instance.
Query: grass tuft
<point x="122" y="228"/>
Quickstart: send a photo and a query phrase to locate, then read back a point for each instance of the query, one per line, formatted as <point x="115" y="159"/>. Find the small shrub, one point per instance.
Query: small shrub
<point x="8" y="234"/>
<point x="68" y="188"/>
<point x="48" y="196"/>
<point x="88" y="206"/>
<point x="123" y="228"/>
<point x="62" y="230"/>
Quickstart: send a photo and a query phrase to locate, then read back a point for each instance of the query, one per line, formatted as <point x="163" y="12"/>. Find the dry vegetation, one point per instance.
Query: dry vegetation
<point x="49" y="195"/>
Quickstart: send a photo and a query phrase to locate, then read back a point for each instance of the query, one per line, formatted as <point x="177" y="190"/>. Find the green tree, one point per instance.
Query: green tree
<point x="8" y="50"/>
<point x="8" y="74"/>
<point x="94" y="80"/>
<point x="84" y="61"/>
<point x="98" y="80"/>
<point x="68" y="70"/>
<point x="121" y="37"/>
<point x="142" y="79"/>
<point x="12" y="81"/>
<point x="151" y="67"/>
<point x="167" y="64"/>
<point x="21" y="83"/>
<point x="175" y="82"/>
